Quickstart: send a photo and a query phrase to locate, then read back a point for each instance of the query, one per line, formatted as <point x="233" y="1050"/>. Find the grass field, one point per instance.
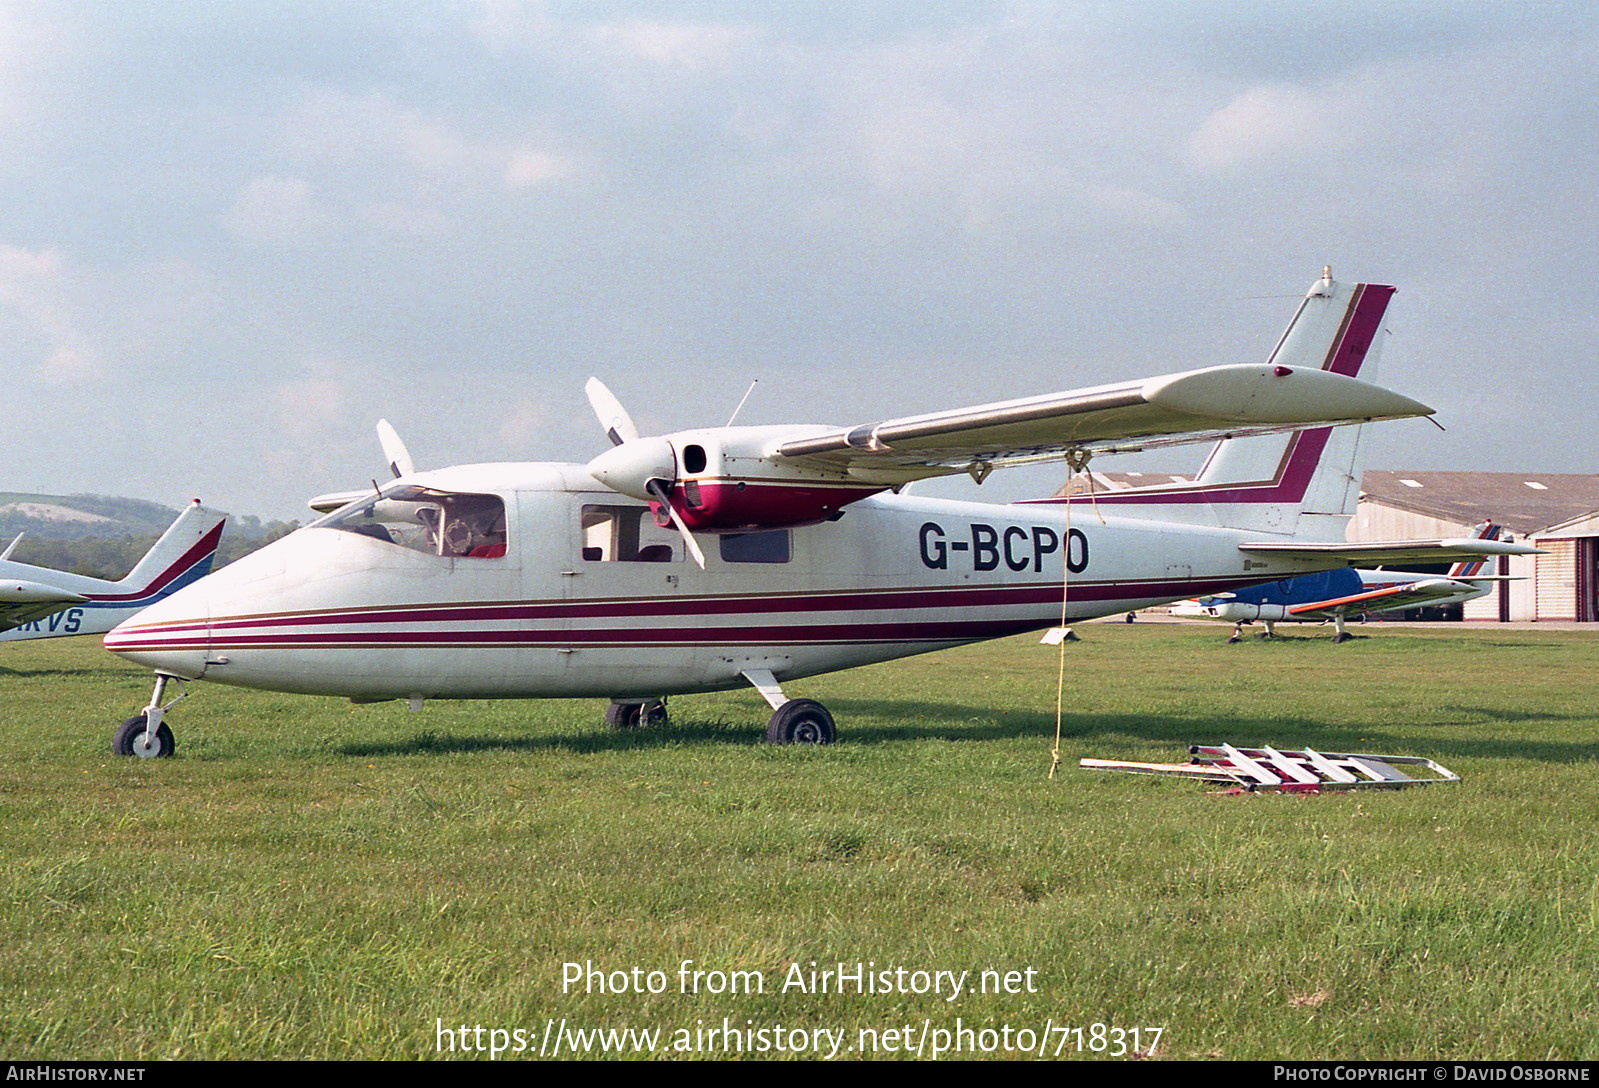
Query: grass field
<point x="313" y="879"/>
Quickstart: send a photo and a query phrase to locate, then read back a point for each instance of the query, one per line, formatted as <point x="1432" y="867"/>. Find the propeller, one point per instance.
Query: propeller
<point x="394" y="451"/>
<point x="645" y="468"/>
<point x="619" y="427"/>
<point x="399" y="462"/>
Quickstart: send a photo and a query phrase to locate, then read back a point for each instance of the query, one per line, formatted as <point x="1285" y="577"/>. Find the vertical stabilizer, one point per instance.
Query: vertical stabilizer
<point x="182" y="555"/>
<point x="76" y="604"/>
<point x="1288" y="483"/>
<point x="1466" y="568"/>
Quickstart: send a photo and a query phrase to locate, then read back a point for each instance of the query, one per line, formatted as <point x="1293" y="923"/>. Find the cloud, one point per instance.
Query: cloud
<point x="1266" y="123"/>
<point x="307" y="407"/>
<point x="278" y="209"/>
<point x="522" y="424"/>
<point x="691" y="46"/>
<point x="30" y="47"/>
<point x="38" y="285"/>
<point x="530" y="168"/>
<point x="385" y="153"/>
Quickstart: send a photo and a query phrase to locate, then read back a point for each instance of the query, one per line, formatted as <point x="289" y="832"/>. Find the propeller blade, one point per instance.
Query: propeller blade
<point x="613" y="417"/>
<point x="394" y="451"/>
<point x="657" y="488"/>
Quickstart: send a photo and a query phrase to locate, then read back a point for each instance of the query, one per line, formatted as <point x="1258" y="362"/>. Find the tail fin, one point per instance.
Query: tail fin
<point x="182" y="555"/>
<point x="1466" y="568"/>
<point x="1274" y="483"/>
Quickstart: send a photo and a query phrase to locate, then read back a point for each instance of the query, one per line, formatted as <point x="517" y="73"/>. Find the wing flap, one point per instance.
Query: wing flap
<point x="1195" y="405"/>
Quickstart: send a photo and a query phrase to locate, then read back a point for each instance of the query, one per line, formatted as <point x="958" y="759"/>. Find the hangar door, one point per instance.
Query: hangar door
<point x="1588" y="579"/>
<point x="1568" y="579"/>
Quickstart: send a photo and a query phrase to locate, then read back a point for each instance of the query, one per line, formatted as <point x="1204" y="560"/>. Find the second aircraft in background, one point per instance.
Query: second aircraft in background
<point x="1335" y="595"/>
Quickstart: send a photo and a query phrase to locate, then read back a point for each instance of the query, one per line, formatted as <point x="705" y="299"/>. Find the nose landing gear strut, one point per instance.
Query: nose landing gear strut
<point x="147" y="735"/>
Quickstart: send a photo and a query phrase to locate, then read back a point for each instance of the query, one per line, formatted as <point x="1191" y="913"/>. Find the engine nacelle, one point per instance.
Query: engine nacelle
<point x="724" y="480"/>
<point x="742" y="506"/>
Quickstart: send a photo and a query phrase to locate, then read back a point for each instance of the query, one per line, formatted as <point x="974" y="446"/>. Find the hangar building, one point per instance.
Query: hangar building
<point x="1558" y="512"/>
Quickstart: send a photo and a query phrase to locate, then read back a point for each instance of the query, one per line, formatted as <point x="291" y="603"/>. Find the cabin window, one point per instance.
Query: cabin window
<point x="768" y="547"/>
<point x="627" y="534"/>
<point x="424" y="519"/>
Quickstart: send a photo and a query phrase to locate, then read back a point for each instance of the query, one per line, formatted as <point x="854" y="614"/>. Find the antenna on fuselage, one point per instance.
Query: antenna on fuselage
<point x="745" y="397"/>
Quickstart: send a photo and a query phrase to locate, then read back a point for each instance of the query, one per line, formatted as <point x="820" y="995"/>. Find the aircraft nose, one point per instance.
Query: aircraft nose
<point x="171" y="636"/>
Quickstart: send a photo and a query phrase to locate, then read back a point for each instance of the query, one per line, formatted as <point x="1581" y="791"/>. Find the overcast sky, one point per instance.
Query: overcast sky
<point x="233" y="236"/>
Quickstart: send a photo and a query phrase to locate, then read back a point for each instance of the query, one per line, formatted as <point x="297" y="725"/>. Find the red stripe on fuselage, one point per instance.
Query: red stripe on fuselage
<point x="230" y="632"/>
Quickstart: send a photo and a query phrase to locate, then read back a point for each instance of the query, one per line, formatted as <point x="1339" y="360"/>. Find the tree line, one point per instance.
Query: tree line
<point x="114" y="555"/>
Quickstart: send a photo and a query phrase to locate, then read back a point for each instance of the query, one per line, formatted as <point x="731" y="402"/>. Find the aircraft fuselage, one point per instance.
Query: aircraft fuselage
<point x="580" y="594"/>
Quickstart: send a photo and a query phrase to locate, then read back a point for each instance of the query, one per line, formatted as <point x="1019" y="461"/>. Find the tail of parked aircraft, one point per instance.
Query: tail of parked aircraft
<point x="182" y="555"/>
<point x="1303" y="483"/>
<point x="49" y="603"/>
<point x="1467" y="568"/>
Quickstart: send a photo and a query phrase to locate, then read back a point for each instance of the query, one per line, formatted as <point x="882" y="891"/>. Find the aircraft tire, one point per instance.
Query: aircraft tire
<point x="633" y="715"/>
<point x="801" y="721"/>
<point x="129" y="739"/>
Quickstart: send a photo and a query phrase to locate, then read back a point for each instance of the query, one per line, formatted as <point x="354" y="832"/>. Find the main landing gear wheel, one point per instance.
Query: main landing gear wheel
<point x="633" y="715"/>
<point x="133" y="738"/>
<point x="801" y="721"/>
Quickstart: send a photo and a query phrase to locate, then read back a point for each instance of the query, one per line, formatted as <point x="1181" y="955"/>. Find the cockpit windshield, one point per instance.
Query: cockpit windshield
<point x="424" y="519"/>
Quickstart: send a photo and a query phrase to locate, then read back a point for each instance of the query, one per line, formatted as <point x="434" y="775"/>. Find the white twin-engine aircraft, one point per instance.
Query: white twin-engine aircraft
<point x="36" y="602"/>
<point x="537" y="580"/>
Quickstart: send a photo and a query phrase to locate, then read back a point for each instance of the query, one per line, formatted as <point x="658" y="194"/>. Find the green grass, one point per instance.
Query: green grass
<point x="313" y="879"/>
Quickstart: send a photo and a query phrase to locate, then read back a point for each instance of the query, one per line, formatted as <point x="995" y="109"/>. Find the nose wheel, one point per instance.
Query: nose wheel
<point x="134" y="737"/>
<point x="147" y="735"/>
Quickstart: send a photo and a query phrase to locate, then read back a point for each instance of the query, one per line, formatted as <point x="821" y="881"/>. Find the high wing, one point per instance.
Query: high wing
<point x="1192" y="406"/>
<point x="24" y="602"/>
<point x="1399" y="551"/>
<point x="1409" y="595"/>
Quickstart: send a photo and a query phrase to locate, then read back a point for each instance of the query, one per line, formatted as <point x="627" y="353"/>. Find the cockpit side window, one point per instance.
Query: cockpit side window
<point x="626" y="534"/>
<point x="456" y="525"/>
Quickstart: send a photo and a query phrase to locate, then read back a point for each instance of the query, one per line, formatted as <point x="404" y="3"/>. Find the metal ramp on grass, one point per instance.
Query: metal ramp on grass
<point x="1305" y="770"/>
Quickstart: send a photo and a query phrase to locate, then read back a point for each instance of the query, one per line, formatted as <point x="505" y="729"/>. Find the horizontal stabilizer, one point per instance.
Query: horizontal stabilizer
<point x="1388" y="553"/>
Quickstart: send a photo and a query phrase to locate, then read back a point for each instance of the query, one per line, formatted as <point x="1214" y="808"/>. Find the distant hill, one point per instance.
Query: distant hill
<point x="73" y="517"/>
<point x="104" y="535"/>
